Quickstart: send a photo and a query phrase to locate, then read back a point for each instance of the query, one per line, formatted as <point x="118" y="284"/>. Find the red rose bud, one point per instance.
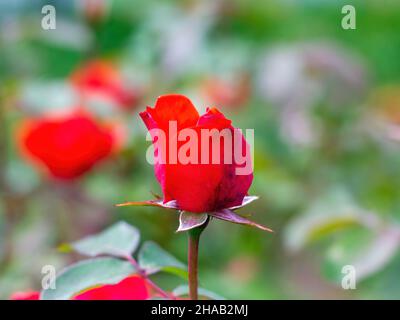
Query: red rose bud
<point x="100" y="79"/>
<point x="131" y="288"/>
<point x="195" y="164"/>
<point x="94" y="10"/>
<point x="68" y="146"/>
<point x="25" y="295"/>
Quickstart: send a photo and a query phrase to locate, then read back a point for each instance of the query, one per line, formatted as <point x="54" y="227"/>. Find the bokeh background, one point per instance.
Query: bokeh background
<point x="324" y="103"/>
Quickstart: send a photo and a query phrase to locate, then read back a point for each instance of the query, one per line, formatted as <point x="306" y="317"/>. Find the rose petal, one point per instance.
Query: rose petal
<point x="131" y="288"/>
<point x="173" y="107"/>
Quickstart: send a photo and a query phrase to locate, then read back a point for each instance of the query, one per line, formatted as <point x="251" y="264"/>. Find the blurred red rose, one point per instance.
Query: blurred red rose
<point x="100" y="78"/>
<point x="25" y="295"/>
<point x="199" y="187"/>
<point x="227" y="93"/>
<point x="68" y="146"/>
<point x="94" y="10"/>
<point x="131" y="288"/>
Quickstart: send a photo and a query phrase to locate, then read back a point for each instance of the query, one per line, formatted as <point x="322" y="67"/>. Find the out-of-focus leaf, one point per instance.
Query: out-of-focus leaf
<point x="71" y="35"/>
<point x="45" y="96"/>
<point x="65" y="248"/>
<point x="368" y="246"/>
<point x="183" y="290"/>
<point x="87" y="274"/>
<point x="345" y="245"/>
<point x="378" y="253"/>
<point x="188" y="220"/>
<point x="229" y="215"/>
<point x="327" y="215"/>
<point x="383" y="284"/>
<point x="306" y="229"/>
<point x="152" y="258"/>
<point x="21" y="178"/>
<point x="121" y="240"/>
<point x="367" y="255"/>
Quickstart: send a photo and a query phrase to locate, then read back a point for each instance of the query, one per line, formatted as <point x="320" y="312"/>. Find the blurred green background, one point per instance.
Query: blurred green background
<point x="324" y="103"/>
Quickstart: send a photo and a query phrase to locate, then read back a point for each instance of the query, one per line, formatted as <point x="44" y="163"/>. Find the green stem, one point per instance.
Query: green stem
<point x="144" y="275"/>
<point x="193" y="254"/>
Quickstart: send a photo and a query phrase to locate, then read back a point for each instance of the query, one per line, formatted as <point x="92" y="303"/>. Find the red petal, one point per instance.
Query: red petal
<point x="193" y="186"/>
<point x="207" y="187"/>
<point x="173" y="107"/>
<point x="214" y="119"/>
<point x="199" y="187"/>
<point x="131" y="288"/>
<point x="102" y="78"/>
<point x="68" y="146"/>
<point x="26" y="295"/>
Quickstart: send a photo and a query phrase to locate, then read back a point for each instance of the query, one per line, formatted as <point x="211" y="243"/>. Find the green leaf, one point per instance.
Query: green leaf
<point x="341" y="250"/>
<point x="153" y="259"/>
<point x="121" y="240"/>
<point x="367" y="252"/>
<point x="183" y="290"/>
<point x="331" y="213"/>
<point x="87" y="274"/>
<point x="189" y="220"/>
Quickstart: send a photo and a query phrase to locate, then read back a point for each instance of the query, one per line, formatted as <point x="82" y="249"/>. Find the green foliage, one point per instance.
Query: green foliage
<point x="86" y="274"/>
<point x="152" y="258"/>
<point x="119" y="240"/>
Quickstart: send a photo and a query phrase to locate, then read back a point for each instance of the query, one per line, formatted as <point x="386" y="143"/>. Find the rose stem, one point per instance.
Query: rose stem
<point x="193" y="254"/>
<point x="143" y="274"/>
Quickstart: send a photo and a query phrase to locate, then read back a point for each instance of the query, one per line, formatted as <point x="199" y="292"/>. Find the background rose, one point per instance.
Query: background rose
<point x="130" y="288"/>
<point x="67" y="146"/>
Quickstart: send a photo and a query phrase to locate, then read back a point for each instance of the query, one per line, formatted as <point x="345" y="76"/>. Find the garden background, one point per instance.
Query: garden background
<point x="324" y="104"/>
